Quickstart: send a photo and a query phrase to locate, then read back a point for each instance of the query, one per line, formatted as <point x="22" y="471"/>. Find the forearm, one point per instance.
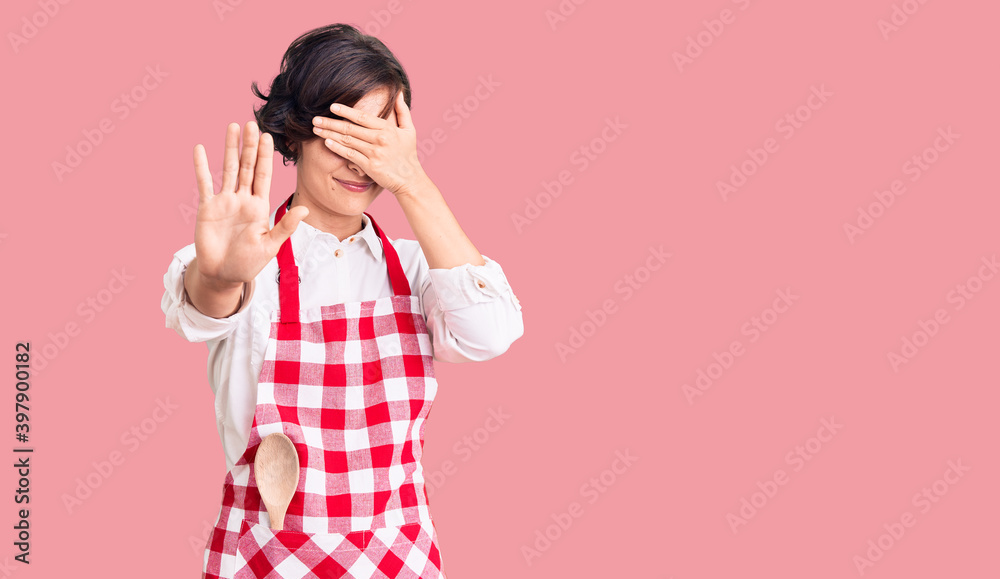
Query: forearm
<point x="217" y="302"/>
<point x="441" y="238"/>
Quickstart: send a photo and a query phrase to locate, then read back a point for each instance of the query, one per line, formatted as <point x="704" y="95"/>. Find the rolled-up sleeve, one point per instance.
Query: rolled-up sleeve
<point x="472" y="312"/>
<point x="183" y="317"/>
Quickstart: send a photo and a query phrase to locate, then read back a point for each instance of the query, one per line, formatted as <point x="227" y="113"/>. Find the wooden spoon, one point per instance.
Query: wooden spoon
<point x="276" y="467"/>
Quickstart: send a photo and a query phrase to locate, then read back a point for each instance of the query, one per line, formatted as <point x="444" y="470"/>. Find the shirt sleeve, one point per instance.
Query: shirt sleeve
<point x="184" y="318"/>
<point x="472" y="312"/>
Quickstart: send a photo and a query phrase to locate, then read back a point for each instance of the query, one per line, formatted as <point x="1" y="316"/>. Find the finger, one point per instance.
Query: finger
<point x="363" y="118"/>
<point x="344" y="127"/>
<point x="348" y="141"/>
<point x="202" y="174"/>
<point x="230" y="159"/>
<point x="403" y="118"/>
<point x="284" y="228"/>
<point x="265" y="161"/>
<point x="348" y="153"/>
<point x="248" y="157"/>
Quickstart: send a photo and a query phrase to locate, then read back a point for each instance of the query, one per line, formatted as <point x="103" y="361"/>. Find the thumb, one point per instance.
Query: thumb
<point x="286" y="226"/>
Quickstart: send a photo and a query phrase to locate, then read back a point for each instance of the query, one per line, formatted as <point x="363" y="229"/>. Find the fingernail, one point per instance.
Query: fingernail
<point x="335" y="108"/>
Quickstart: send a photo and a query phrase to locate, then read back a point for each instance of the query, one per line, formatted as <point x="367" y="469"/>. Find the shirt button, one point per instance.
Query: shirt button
<point x="481" y="284"/>
<point x="351" y="240"/>
<point x="338" y="253"/>
<point x="277" y="277"/>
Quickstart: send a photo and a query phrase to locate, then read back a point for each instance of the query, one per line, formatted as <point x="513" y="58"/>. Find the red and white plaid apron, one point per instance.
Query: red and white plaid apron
<point x="351" y="385"/>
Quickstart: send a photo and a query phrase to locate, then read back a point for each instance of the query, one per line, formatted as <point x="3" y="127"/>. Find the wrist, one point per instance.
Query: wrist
<point x="216" y="285"/>
<point x="416" y="186"/>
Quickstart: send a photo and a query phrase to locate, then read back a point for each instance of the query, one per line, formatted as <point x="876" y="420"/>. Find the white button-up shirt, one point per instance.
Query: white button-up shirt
<point x="471" y="312"/>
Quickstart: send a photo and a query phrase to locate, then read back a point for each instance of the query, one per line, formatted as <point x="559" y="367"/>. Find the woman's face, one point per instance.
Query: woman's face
<point x="320" y="170"/>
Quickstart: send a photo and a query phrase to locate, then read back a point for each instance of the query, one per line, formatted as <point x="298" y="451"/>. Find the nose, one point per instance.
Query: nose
<point x="356" y="168"/>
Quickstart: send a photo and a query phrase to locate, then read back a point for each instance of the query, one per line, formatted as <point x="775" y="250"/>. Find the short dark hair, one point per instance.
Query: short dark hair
<point x="334" y="63"/>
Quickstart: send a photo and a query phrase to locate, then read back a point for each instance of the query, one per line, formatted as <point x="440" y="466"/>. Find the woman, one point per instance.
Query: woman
<point x="321" y="327"/>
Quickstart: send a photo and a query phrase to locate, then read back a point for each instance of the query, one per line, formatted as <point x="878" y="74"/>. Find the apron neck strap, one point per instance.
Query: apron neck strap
<point x="288" y="285"/>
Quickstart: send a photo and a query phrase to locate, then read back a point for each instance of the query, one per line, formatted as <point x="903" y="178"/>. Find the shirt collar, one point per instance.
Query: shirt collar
<point x="305" y="233"/>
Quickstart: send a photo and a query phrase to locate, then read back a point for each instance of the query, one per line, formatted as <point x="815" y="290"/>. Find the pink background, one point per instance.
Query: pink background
<point x="669" y="513"/>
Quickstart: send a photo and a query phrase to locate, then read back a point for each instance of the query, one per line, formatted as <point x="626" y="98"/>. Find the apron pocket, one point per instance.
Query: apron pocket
<point x="410" y="533"/>
<point x="412" y="546"/>
<point x="263" y="553"/>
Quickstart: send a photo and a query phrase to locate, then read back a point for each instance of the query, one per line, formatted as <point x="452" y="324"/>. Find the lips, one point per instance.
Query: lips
<point x="355" y="186"/>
